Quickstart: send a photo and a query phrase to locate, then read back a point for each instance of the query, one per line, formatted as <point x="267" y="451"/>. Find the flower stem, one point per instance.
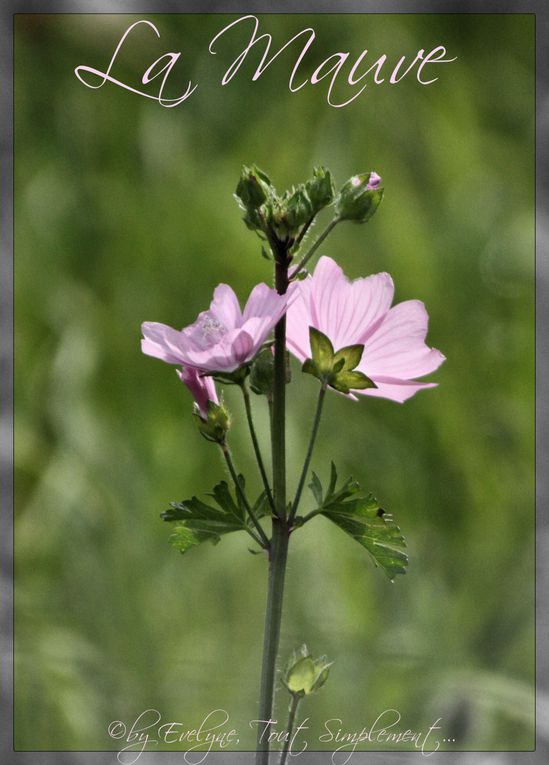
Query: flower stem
<point x="257" y="450"/>
<point x="278" y="552"/>
<point x="294" y="703"/>
<point x="302" y="233"/>
<point x="263" y="540"/>
<point x="307" y="462"/>
<point x="314" y="247"/>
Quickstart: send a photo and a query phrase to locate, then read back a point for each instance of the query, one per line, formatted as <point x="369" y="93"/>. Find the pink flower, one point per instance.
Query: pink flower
<point x="202" y="388"/>
<point x="360" y="312"/>
<point x="223" y="338"/>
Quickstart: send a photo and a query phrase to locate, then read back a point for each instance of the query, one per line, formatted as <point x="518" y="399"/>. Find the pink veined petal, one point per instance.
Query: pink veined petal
<point x="225" y="307"/>
<point x="397" y="346"/>
<point x="161" y="342"/>
<point x="234" y="349"/>
<point x="259" y="328"/>
<point x="298" y="321"/>
<point x="326" y="282"/>
<point x="345" y="311"/>
<point x="394" y="389"/>
<point x="264" y="301"/>
<point x="242" y="348"/>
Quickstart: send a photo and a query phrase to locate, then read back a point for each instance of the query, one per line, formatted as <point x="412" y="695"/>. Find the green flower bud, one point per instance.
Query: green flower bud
<point x="304" y="675"/>
<point x="298" y="209"/>
<point x="215" y="427"/>
<point x="253" y="187"/>
<point x="359" y="197"/>
<point x="262" y="372"/>
<point x="320" y="189"/>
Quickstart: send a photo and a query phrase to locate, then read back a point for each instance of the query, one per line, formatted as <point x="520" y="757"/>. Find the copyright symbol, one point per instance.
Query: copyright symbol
<point x="117" y="729"/>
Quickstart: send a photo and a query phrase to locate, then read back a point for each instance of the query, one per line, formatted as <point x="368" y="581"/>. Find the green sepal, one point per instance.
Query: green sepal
<point x="231" y="378"/>
<point x="350" y="355"/>
<point x="322" y="351"/>
<point x="217" y="422"/>
<point x="344" y="381"/>
<point x="336" y="369"/>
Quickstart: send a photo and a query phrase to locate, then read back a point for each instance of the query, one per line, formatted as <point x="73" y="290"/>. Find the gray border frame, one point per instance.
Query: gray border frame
<point x="538" y="7"/>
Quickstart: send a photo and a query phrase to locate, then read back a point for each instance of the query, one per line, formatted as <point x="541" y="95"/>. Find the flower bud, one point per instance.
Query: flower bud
<point x="216" y="424"/>
<point x="298" y="209"/>
<point x="359" y="197"/>
<point x="320" y="189"/>
<point x="304" y="675"/>
<point x="253" y="187"/>
<point x="262" y="372"/>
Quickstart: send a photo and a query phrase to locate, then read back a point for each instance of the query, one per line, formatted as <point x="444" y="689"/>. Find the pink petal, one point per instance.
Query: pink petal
<point x="263" y="301"/>
<point x="397" y="346"/>
<point x="345" y="311"/>
<point x="202" y="388"/>
<point x="161" y="342"/>
<point x="234" y="349"/>
<point x="225" y="307"/>
<point x="298" y="321"/>
<point x="393" y="389"/>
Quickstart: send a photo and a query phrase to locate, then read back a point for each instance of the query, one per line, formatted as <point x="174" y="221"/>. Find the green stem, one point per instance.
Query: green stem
<point x="314" y="247"/>
<point x="307" y="462"/>
<point x="297" y="243"/>
<point x="257" y="450"/>
<point x="294" y="703"/>
<point x="263" y="540"/>
<point x="278" y="553"/>
<point x="273" y="618"/>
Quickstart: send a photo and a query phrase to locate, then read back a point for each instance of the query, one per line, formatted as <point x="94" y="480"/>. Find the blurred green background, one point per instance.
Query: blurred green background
<point x="124" y="213"/>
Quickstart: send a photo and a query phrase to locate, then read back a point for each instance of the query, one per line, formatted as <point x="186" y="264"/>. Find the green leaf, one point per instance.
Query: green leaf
<point x="316" y="487"/>
<point x="322" y="351"/>
<point x="361" y="516"/>
<point x="350" y="355"/>
<point x="198" y="522"/>
<point x="365" y="521"/>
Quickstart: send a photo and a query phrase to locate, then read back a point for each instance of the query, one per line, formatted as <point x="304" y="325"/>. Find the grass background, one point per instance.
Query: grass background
<point x="124" y="213"/>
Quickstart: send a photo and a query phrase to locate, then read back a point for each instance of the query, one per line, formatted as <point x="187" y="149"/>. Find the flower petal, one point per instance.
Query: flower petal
<point x="161" y="342"/>
<point x="225" y="307"/>
<point x="394" y="389"/>
<point x="397" y="346"/>
<point x="347" y="311"/>
<point x="202" y="388"/>
<point x="298" y="321"/>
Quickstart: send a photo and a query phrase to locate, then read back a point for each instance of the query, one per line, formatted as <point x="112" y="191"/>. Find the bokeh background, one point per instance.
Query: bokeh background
<point x="124" y="213"/>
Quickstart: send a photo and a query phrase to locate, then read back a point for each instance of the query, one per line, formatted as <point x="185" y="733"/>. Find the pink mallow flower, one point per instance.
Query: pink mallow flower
<point x="359" y="312"/>
<point x="223" y="338"/>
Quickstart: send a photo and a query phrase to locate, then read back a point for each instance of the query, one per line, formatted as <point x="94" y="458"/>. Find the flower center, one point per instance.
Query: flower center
<point x="211" y="329"/>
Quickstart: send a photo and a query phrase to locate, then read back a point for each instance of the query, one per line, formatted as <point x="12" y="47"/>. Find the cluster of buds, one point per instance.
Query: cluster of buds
<point x="287" y="215"/>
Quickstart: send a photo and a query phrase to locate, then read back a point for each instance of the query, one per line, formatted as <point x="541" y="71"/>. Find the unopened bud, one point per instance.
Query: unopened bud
<point x="253" y="187"/>
<point x="304" y="675"/>
<point x="320" y="189"/>
<point x="359" y="197"/>
<point x="216" y="424"/>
